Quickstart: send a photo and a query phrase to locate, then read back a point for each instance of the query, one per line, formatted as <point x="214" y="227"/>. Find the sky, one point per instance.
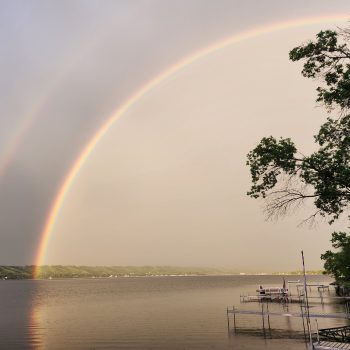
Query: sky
<point x="166" y="185"/>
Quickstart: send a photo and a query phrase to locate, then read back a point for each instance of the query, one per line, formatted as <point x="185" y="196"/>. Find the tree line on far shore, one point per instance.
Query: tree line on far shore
<point x="62" y="271"/>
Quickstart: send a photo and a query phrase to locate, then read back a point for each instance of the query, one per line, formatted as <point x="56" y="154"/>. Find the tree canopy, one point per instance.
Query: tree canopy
<point x="285" y="177"/>
<point x="328" y="58"/>
<point x="338" y="263"/>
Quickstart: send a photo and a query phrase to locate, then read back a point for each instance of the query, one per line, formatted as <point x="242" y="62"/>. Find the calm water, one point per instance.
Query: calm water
<point x="143" y="313"/>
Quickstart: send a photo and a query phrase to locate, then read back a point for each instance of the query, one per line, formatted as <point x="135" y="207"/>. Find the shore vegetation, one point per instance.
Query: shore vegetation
<point x="63" y="271"/>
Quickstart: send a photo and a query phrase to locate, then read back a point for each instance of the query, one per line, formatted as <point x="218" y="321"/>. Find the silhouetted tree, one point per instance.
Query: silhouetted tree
<point x="286" y="177"/>
<point x="338" y="263"/>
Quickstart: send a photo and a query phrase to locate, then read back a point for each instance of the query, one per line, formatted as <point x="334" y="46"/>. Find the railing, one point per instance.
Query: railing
<point x="338" y="334"/>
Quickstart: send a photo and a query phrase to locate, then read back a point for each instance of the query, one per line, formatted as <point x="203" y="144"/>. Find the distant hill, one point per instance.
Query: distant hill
<point x="61" y="271"/>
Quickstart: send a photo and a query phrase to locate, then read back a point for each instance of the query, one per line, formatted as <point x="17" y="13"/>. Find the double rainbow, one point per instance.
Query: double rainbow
<point x="79" y="162"/>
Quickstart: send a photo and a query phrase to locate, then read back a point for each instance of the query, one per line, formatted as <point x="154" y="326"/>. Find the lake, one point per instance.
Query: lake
<point x="145" y="313"/>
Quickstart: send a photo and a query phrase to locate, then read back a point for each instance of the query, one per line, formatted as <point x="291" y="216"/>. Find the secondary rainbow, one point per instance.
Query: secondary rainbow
<point x="73" y="172"/>
<point x="46" y="95"/>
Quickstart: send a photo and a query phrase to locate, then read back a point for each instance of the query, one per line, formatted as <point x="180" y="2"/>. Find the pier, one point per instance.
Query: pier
<point x="268" y="313"/>
<point x="337" y="334"/>
<point x="334" y="338"/>
<point x="245" y="298"/>
<point x="326" y="345"/>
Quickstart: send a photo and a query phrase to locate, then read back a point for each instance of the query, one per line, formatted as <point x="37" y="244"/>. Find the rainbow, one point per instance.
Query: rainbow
<point x="79" y="162"/>
<point x="30" y="119"/>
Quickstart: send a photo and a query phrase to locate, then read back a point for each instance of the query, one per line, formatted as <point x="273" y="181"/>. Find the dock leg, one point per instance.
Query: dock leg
<point x="234" y="318"/>
<point x="317" y="334"/>
<point x="228" y="320"/>
<point x="302" y="316"/>
<point x="262" y="315"/>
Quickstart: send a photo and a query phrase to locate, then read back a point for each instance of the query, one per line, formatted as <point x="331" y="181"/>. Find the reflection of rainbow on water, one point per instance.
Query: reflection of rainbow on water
<point x="34" y="329"/>
<point x="77" y="165"/>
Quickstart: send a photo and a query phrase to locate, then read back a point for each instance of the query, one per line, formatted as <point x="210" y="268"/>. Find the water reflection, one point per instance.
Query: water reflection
<point x="145" y="313"/>
<point x="36" y="328"/>
<point x="19" y="327"/>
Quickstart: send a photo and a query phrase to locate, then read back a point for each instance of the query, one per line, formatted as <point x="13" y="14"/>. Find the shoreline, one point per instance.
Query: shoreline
<point x="73" y="271"/>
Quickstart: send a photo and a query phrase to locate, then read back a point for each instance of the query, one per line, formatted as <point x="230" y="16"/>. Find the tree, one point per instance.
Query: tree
<point x="338" y="263"/>
<point x="284" y="177"/>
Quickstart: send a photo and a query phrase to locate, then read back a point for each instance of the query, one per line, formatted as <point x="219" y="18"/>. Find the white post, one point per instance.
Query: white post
<point x="318" y="336"/>
<point x="307" y="303"/>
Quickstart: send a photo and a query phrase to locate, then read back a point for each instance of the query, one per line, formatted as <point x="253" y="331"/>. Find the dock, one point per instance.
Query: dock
<point x="245" y="298"/>
<point x="267" y="313"/>
<point x="327" y="345"/>
<point x="337" y="334"/>
<point x="335" y="338"/>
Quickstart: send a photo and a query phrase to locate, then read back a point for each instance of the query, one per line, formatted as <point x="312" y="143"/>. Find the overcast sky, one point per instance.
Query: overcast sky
<point x="167" y="184"/>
